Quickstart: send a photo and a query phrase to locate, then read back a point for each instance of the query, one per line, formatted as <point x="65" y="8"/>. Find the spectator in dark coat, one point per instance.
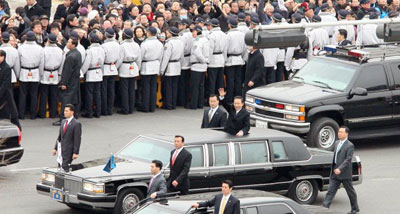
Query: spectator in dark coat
<point x="65" y="9"/>
<point x="32" y="8"/>
<point x="46" y="5"/>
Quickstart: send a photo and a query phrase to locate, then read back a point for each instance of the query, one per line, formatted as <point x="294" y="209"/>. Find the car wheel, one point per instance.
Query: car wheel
<point x="323" y="133"/>
<point x="127" y="199"/>
<point x="304" y="191"/>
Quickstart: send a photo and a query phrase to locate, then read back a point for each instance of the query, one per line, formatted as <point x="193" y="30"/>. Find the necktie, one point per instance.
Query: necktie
<point x="223" y="205"/>
<point x="174" y="158"/>
<point x="338" y="149"/>
<point x="152" y="179"/>
<point x="210" y="114"/>
<point x="65" y="127"/>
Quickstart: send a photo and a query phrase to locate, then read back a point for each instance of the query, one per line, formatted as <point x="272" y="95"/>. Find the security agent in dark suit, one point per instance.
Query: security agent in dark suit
<point x="224" y="203"/>
<point x="69" y="138"/>
<point x="239" y="119"/>
<point x="158" y="184"/>
<point x="8" y="109"/>
<point x="342" y="38"/>
<point x="180" y="162"/>
<point x="70" y="82"/>
<point x="341" y="172"/>
<point x="214" y="117"/>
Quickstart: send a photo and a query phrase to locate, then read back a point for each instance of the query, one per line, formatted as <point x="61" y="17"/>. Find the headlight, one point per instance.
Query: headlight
<point x="92" y="187"/>
<point x="48" y="177"/>
<point x="295" y="117"/>
<point x="295" y="108"/>
<point x="250" y="108"/>
<point x="249" y="99"/>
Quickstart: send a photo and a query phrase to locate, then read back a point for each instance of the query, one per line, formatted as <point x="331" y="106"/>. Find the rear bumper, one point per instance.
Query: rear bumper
<point x="283" y="125"/>
<point x="94" y="201"/>
<point x="11" y="156"/>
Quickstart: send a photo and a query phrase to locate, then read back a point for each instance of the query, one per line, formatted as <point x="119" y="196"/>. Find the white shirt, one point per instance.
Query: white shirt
<point x="237" y="111"/>
<point x="226" y="197"/>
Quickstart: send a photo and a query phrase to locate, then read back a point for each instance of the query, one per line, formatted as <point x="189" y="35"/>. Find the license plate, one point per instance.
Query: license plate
<point x="261" y="124"/>
<point x="57" y="195"/>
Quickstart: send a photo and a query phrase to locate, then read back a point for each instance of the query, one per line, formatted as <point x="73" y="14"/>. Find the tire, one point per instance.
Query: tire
<point x="304" y="191"/>
<point x="323" y="133"/>
<point x="126" y="199"/>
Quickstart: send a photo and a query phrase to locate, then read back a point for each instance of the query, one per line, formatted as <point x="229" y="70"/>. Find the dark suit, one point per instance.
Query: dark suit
<point x="255" y="71"/>
<point x="35" y="10"/>
<point x="344" y="42"/>
<point x="344" y="164"/>
<point x="159" y="185"/>
<point x="70" y="78"/>
<point x="236" y="122"/>
<point x="217" y="120"/>
<point x="180" y="172"/>
<point x="63" y="12"/>
<point x="70" y="141"/>
<point x="46" y="5"/>
<point x="232" y="205"/>
<point x="8" y="109"/>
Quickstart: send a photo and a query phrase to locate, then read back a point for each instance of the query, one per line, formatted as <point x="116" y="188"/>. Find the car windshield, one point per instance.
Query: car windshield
<point x="156" y="208"/>
<point x="326" y="74"/>
<point x="147" y="149"/>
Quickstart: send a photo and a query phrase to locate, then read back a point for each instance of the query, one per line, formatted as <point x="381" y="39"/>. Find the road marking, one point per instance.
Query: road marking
<point x="27" y="169"/>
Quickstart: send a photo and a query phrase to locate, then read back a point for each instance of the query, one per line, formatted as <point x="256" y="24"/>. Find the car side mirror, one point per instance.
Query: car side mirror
<point x="358" y="91"/>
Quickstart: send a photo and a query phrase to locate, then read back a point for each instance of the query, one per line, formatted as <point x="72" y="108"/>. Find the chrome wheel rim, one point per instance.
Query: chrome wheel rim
<point x="129" y="201"/>
<point x="326" y="137"/>
<point x="304" y="191"/>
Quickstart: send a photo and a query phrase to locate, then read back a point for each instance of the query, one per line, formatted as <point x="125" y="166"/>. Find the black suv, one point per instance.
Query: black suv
<point x="359" y="88"/>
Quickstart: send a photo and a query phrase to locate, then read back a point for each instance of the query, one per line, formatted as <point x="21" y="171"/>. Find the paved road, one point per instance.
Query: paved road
<point x="377" y="194"/>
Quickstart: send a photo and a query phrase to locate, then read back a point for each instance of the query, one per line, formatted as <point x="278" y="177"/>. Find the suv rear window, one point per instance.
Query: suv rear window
<point x="372" y="78"/>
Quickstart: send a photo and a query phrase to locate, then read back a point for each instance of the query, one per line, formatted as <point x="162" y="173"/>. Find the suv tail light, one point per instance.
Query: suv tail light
<point x="19" y="136"/>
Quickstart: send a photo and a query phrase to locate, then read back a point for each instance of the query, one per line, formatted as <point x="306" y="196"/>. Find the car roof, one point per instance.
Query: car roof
<point x="197" y="136"/>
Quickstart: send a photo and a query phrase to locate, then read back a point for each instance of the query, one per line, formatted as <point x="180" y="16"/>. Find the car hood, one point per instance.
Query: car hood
<point x="292" y="92"/>
<point x="94" y="169"/>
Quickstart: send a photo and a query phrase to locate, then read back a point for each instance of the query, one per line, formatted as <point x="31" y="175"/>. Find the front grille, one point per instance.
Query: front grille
<point x="73" y="186"/>
<point x="269" y="113"/>
<point x="59" y="181"/>
<point x="265" y="103"/>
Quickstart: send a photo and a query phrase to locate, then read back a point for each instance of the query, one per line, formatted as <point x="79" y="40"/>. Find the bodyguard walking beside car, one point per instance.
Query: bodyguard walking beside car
<point x="157" y="185"/>
<point x="341" y="172"/>
<point x="180" y="162"/>
<point x="69" y="139"/>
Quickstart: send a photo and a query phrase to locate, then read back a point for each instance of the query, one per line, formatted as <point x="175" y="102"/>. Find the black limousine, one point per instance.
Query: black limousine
<point x="11" y="150"/>
<point x="265" y="159"/>
<point x="251" y="202"/>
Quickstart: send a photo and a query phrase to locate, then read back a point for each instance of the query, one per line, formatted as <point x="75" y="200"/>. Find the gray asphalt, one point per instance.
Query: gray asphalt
<point x="377" y="194"/>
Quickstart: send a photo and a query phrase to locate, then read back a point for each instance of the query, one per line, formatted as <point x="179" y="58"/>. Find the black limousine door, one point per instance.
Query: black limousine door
<point x="198" y="173"/>
<point x="253" y="168"/>
<point x="220" y="164"/>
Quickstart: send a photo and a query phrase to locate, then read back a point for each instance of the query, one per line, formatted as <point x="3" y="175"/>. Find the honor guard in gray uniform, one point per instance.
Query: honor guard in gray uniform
<point x="326" y="16"/>
<point x="92" y="68"/>
<point x="12" y="58"/>
<point x="218" y="45"/>
<point x="110" y="71"/>
<point x="367" y="33"/>
<point x="53" y="57"/>
<point x="242" y="26"/>
<point x="236" y="52"/>
<point x="128" y="71"/>
<point x="199" y="58"/>
<point x="171" y="68"/>
<point x="31" y="58"/>
<point x="152" y="53"/>
<point x="318" y="38"/>
<point x="184" y="79"/>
